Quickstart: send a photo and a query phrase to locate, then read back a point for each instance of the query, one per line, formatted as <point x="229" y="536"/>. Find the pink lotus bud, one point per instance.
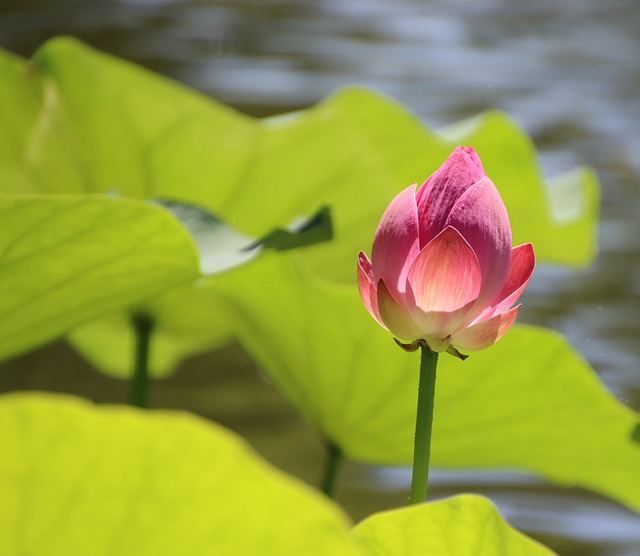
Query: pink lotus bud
<point x="442" y="268"/>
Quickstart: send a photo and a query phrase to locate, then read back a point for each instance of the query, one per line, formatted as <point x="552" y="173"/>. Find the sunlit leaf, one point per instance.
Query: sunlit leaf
<point x="549" y="414"/>
<point x="363" y="149"/>
<point x="462" y="526"/>
<point x="64" y="260"/>
<point x="189" y="319"/>
<point x="81" y="121"/>
<point x="106" y="125"/>
<point x="529" y="402"/>
<point x="80" y="480"/>
<point x="85" y="121"/>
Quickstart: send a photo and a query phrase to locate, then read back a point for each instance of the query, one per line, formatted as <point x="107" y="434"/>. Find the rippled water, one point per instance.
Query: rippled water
<point x="567" y="71"/>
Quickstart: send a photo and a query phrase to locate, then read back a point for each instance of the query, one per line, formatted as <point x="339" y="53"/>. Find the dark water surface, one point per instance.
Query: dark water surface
<point x="568" y="71"/>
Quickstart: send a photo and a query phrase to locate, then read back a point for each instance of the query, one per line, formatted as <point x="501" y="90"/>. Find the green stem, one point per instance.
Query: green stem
<point x="424" y="421"/>
<point x="334" y="457"/>
<point x="140" y="381"/>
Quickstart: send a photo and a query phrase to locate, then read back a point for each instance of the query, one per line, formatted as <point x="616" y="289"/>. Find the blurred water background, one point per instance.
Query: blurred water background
<point x="569" y="72"/>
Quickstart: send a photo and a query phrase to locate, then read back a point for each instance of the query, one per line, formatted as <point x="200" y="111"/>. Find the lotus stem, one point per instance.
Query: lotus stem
<point x="332" y="463"/>
<point x="424" y="422"/>
<point x="140" y="381"/>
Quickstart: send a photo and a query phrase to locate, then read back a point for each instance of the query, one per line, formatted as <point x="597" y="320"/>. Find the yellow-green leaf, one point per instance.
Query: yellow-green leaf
<point x="77" y="120"/>
<point x="80" y="480"/>
<point x="529" y="402"/>
<point x="67" y="259"/>
<point x="462" y="526"/>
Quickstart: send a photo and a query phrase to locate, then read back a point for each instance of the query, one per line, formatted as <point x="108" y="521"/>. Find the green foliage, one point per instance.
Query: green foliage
<point x="461" y="526"/>
<point x="188" y="318"/>
<point x="529" y="402"/>
<point x="80" y="480"/>
<point x="534" y="403"/>
<point x="67" y="259"/>
<point x="81" y="121"/>
<point x="86" y="139"/>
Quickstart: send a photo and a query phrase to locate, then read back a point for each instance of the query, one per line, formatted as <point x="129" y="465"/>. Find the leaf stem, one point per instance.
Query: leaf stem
<point x="140" y="381"/>
<point x="424" y="421"/>
<point x="332" y="463"/>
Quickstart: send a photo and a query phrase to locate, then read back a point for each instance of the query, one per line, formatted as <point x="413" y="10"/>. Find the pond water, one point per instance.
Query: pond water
<point x="568" y="72"/>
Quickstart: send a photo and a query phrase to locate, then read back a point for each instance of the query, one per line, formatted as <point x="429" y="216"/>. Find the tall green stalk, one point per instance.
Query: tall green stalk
<point x="424" y="422"/>
<point x="332" y="463"/>
<point x="141" y="381"/>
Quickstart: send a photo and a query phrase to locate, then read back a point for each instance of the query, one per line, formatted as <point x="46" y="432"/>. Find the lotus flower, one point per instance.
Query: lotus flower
<point x="442" y="269"/>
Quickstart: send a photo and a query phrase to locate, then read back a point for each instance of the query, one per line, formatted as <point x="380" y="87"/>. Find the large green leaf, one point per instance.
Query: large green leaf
<point x="84" y="121"/>
<point x="64" y="260"/>
<point x="188" y="318"/>
<point x="462" y="526"/>
<point x="529" y="402"/>
<point x="80" y="480"/>
<point x="356" y="150"/>
<point x="79" y="121"/>
<point x="535" y="404"/>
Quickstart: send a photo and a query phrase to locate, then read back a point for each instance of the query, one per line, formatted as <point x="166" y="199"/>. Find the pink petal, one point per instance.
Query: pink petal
<point x="367" y="287"/>
<point x="441" y="324"/>
<point x="395" y="317"/>
<point x="395" y="244"/>
<point x="485" y="333"/>
<point x="481" y="218"/>
<point x="445" y="276"/>
<point x="438" y="194"/>
<point x="523" y="262"/>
